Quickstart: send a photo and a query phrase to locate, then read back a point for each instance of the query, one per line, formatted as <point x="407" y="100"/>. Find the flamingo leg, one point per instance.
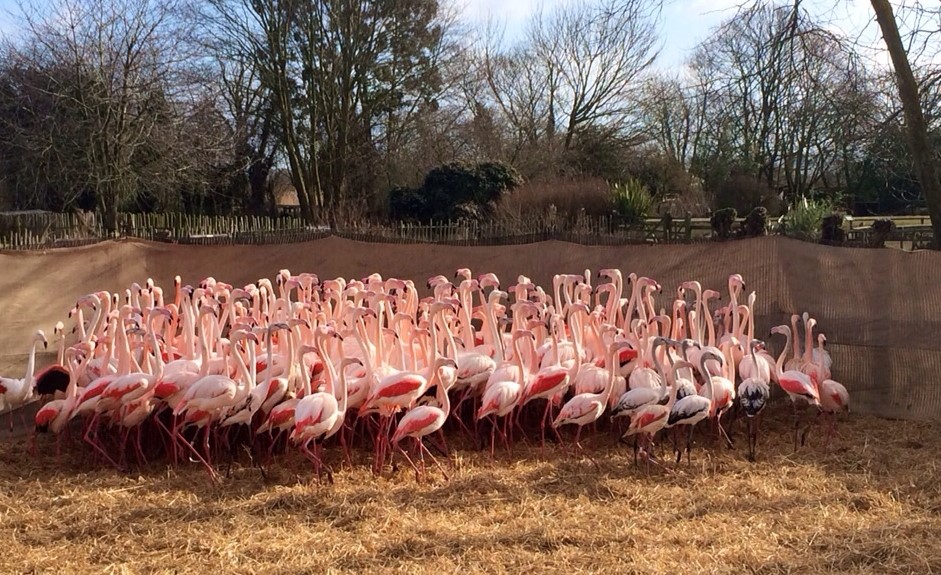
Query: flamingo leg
<point x="505" y="434"/>
<point x="90" y="438"/>
<point x="312" y="457"/>
<point x="674" y="432"/>
<point x="421" y="445"/>
<point x="582" y="451"/>
<point x="213" y="476"/>
<point x="493" y="437"/>
<point x="807" y="427"/>
<point x="346" y="449"/>
<point x="751" y="439"/>
<point x="409" y="459"/>
<point x="318" y="448"/>
<point x="796" y="425"/>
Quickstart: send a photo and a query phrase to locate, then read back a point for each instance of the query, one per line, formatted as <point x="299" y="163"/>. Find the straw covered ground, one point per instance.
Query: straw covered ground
<point x="870" y="504"/>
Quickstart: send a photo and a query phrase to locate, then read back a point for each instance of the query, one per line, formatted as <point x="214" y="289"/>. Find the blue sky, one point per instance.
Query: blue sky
<point x="685" y="22"/>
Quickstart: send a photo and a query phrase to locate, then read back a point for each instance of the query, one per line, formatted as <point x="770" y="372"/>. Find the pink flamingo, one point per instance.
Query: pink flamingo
<point x="54" y="379"/>
<point x="834" y="397"/>
<point x="798" y="385"/>
<point x="720" y="390"/>
<point x="207" y="397"/>
<point x="586" y="408"/>
<point x="505" y="389"/>
<point x="54" y="415"/>
<point x="649" y="420"/>
<point x="424" y="420"/>
<point x="321" y="414"/>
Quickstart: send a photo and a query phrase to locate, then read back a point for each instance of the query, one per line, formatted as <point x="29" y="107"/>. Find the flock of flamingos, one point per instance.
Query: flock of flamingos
<point x="303" y="363"/>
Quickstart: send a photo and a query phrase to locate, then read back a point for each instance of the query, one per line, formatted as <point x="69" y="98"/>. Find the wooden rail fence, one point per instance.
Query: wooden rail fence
<point x="43" y="230"/>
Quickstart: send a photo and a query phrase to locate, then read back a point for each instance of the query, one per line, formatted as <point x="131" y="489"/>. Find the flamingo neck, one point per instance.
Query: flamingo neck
<point x="779" y="365"/>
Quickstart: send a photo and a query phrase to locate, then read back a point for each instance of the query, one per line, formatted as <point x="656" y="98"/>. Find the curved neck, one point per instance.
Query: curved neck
<point x="31" y="365"/>
<point x="518" y="358"/>
<point x="363" y="342"/>
<point x="245" y="376"/>
<point x="751" y="318"/>
<point x="632" y="303"/>
<point x="152" y="336"/>
<point x="331" y="376"/>
<point x="733" y="294"/>
<point x="93" y="324"/>
<point x="780" y="363"/>
<point x="710" y="324"/>
<point x="467" y="303"/>
<point x="498" y="342"/>
<point x="442" y="393"/>
<point x="612" y="363"/>
<point x="808" y="341"/>
<point x="700" y="304"/>
<point x="342" y="381"/>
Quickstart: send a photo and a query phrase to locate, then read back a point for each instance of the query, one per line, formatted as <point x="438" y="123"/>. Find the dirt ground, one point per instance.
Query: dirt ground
<point x="870" y="503"/>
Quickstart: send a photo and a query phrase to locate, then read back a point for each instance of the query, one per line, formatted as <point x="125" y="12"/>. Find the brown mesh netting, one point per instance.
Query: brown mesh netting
<point x="880" y="309"/>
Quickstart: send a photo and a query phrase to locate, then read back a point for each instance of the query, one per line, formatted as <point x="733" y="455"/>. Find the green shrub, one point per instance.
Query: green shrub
<point x="455" y="191"/>
<point x="804" y="218"/>
<point x="407" y="204"/>
<point x="632" y="201"/>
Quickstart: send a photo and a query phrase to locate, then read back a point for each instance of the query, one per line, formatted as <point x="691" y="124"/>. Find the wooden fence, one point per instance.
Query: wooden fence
<point x="42" y="230"/>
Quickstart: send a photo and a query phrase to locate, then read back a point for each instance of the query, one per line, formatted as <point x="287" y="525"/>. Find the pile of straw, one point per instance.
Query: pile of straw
<point x="870" y="503"/>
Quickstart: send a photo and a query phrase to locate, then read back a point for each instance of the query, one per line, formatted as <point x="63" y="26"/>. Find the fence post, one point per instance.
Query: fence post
<point x="688" y="223"/>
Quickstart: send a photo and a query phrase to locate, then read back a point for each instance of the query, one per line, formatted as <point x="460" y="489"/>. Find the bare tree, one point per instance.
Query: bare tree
<point x="594" y="53"/>
<point x="673" y="117"/>
<point x="344" y="77"/>
<point x="916" y="126"/>
<point x="116" y="79"/>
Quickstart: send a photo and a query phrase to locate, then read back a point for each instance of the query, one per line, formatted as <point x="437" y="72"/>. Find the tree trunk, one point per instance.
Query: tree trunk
<point x="917" y="129"/>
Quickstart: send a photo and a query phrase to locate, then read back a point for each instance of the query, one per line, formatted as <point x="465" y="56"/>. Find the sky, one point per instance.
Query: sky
<point x="685" y="23"/>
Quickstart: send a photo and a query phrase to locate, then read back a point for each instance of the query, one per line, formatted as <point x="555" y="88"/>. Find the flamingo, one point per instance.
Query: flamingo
<point x="505" y="388"/>
<point x="16" y="392"/>
<point x="55" y="414"/>
<point x="54" y="378"/>
<point x="586" y="408"/>
<point x="322" y="413"/>
<point x="720" y="390"/>
<point x="754" y="394"/>
<point x="798" y="385"/>
<point x="207" y="397"/>
<point x="649" y="420"/>
<point x="834" y="397"/>
<point x="424" y="420"/>
<point x="688" y="410"/>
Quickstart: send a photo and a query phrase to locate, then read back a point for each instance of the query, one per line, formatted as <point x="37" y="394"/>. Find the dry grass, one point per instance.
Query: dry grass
<point x="568" y="195"/>
<point x="870" y="506"/>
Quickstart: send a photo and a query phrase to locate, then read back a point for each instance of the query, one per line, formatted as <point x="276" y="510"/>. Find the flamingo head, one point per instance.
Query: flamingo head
<point x="463" y="273"/>
<point x="488" y="280"/>
<point x="40" y="337"/>
<point x="781" y="330"/>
